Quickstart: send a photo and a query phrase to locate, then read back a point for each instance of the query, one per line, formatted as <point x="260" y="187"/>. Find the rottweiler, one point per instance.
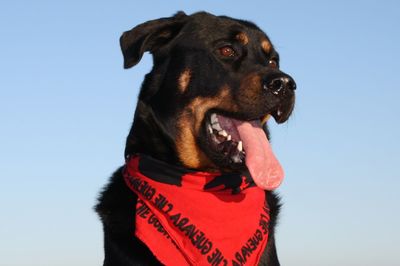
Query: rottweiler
<point x="199" y="144"/>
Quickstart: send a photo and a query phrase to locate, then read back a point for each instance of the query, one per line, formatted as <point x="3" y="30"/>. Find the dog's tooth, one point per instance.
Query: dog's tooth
<point x="210" y="129"/>
<point x="240" y="145"/>
<point x="279" y="112"/>
<point x="214" y="118"/>
<point x="236" y="159"/>
<point x="217" y="126"/>
<point x="229" y="137"/>
<point x="223" y="133"/>
<point x="265" y="119"/>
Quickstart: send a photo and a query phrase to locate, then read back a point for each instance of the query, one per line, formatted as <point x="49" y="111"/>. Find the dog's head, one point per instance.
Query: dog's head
<point x="214" y="80"/>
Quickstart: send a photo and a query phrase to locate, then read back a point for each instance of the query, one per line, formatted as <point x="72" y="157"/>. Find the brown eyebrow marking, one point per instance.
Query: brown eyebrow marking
<point x="184" y="80"/>
<point x="242" y="37"/>
<point x="266" y="46"/>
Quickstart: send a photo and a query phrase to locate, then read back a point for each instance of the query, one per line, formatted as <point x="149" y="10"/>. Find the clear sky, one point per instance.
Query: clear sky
<point x="66" y="106"/>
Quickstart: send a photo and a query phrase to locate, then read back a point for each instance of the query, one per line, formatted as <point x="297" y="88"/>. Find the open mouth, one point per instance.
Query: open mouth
<point x="225" y="138"/>
<point x="244" y="143"/>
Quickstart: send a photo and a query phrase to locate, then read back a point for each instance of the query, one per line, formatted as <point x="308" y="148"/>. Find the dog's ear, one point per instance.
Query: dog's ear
<point x="149" y="36"/>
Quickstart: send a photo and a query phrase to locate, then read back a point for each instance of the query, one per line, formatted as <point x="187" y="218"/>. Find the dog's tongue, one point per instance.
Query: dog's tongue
<point x="263" y="166"/>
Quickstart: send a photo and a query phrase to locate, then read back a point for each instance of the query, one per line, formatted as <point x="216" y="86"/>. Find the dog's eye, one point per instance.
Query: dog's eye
<point x="272" y="63"/>
<point x="227" y="51"/>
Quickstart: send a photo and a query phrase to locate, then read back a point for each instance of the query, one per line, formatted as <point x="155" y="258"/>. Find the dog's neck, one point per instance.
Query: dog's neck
<point x="148" y="137"/>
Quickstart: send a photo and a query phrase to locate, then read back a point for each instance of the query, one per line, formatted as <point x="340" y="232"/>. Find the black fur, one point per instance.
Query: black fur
<point x="178" y="43"/>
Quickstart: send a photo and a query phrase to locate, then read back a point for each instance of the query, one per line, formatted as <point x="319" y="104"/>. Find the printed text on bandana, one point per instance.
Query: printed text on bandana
<point x="197" y="237"/>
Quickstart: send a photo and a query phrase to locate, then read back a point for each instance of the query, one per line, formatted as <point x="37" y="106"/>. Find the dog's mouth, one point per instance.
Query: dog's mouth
<point x="224" y="138"/>
<point x="243" y="143"/>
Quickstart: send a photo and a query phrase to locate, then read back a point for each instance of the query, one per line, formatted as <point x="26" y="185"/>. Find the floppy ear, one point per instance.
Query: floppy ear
<point x="149" y="36"/>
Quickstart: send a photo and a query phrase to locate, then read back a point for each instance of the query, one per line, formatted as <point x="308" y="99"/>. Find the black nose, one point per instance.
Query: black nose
<point x="280" y="84"/>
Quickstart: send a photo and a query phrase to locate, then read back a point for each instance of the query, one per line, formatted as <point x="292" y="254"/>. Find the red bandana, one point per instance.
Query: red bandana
<point x="197" y="218"/>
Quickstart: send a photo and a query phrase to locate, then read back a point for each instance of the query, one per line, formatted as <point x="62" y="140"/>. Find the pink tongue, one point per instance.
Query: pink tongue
<point x="263" y="166"/>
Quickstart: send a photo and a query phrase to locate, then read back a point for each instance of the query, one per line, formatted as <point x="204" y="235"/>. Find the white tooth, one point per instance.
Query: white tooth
<point x="214" y="118"/>
<point x="279" y="112"/>
<point x="240" y="145"/>
<point x="236" y="159"/>
<point x="217" y="126"/>
<point x="229" y="137"/>
<point x="210" y="129"/>
<point x="223" y="133"/>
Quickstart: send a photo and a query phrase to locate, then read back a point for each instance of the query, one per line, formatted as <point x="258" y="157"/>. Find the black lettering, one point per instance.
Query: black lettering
<point x="175" y="218"/>
<point x="169" y="207"/>
<point x="235" y="263"/>
<point x="146" y="190"/>
<point x="135" y="182"/>
<point x="266" y="209"/>
<point x="157" y="225"/>
<point x="190" y="231"/>
<point x="216" y="258"/>
<point x="259" y="235"/>
<point x="239" y="258"/>
<point x="150" y="193"/>
<point x="160" y="202"/>
<point x="143" y="185"/>
<point x="143" y="211"/>
<point x="246" y="252"/>
<point x="264" y="226"/>
<point x="197" y="239"/>
<point x="250" y="246"/>
<point x="182" y="223"/>
<point x="252" y="242"/>
<point x="152" y="219"/>
<point x="206" y="247"/>
<point x="201" y="243"/>
<point x="143" y="188"/>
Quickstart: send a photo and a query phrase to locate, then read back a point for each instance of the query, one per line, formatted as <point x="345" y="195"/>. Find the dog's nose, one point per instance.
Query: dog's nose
<point x="280" y="84"/>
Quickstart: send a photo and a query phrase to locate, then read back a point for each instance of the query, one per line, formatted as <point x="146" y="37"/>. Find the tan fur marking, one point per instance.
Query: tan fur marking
<point x="189" y="126"/>
<point x="188" y="151"/>
<point x="250" y="91"/>
<point x="266" y="46"/>
<point x="251" y="86"/>
<point x="243" y="38"/>
<point x="184" y="80"/>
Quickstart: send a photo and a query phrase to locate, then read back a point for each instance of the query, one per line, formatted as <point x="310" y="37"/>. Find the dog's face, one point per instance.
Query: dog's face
<point x="213" y="82"/>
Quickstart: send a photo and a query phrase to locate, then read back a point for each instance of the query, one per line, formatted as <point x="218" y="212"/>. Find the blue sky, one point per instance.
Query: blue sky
<point x="66" y="106"/>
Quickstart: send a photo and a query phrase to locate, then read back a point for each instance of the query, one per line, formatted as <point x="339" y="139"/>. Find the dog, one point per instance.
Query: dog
<point x="197" y="185"/>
